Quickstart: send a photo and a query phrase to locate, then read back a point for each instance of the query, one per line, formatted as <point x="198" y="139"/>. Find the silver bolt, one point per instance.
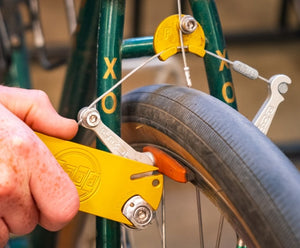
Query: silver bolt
<point x="89" y="117"/>
<point x="138" y="212"/>
<point x="283" y="88"/>
<point x="93" y="118"/>
<point x="188" y="24"/>
<point x="142" y="215"/>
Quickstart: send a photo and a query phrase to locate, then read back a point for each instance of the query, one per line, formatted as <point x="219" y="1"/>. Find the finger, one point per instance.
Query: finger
<point x="36" y="110"/>
<point x="20" y="214"/>
<point x="54" y="192"/>
<point x="17" y="207"/>
<point x="4" y="233"/>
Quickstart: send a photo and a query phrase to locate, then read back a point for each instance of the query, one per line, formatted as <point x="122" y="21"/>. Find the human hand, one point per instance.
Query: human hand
<point x="34" y="189"/>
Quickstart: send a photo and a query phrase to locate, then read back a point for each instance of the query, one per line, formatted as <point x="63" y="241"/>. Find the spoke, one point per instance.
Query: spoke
<point x="123" y="237"/>
<point x="163" y="214"/>
<point x="200" y="218"/>
<point x="220" y="230"/>
<point x="161" y="223"/>
<point x="158" y="224"/>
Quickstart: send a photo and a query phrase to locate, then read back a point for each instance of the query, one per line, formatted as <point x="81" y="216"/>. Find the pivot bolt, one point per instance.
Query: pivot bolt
<point x="142" y="215"/>
<point x="283" y="88"/>
<point x="89" y="117"/>
<point x="138" y="212"/>
<point x="188" y="24"/>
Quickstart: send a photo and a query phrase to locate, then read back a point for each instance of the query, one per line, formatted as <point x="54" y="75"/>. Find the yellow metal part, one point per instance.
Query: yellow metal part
<point x="167" y="39"/>
<point x="105" y="181"/>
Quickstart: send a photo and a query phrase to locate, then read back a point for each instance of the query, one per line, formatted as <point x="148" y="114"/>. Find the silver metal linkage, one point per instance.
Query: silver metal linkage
<point x="278" y="85"/>
<point x="90" y="119"/>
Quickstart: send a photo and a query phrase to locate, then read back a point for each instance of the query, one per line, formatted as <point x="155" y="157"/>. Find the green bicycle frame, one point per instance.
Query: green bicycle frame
<point x="110" y="51"/>
<point x="95" y="65"/>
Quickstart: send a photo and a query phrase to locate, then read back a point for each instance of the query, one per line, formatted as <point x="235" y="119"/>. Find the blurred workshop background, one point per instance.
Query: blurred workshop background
<point x="264" y="34"/>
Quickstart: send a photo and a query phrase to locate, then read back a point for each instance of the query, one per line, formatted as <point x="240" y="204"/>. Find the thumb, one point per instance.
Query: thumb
<point x="36" y="110"/>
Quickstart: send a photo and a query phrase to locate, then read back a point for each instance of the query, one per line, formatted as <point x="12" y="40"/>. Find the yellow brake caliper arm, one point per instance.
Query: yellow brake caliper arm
<point x="167" y="39"/>
<point x="106" y="182"/>
<point x="109" y="185"/>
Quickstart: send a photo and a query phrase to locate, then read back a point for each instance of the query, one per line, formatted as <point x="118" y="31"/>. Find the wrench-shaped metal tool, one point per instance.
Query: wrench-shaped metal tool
<point x="278" y="85"/>
<point x="90" y="119"/>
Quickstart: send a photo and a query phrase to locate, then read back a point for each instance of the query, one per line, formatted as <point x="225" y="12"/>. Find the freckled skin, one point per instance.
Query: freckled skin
<point x="33" y="187"/>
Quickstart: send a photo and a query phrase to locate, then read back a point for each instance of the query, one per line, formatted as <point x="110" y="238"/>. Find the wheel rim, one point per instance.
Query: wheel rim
<point x="140" y="135"/>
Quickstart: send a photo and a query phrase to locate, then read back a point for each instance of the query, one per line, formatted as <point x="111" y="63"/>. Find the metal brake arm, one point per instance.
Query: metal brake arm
<point x="278" y="85"/>
<point x="90" y="119"/>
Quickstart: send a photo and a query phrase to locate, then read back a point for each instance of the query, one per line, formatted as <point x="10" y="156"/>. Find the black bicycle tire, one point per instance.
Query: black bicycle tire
<point x="241" y="170"/>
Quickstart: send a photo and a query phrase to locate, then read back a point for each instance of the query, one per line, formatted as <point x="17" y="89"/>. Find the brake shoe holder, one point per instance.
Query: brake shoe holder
<point x="167" y="38"/>
<point x="106" y="182"/>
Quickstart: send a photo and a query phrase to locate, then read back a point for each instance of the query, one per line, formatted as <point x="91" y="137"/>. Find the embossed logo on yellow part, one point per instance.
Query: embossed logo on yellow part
<point x="83" y="169"/>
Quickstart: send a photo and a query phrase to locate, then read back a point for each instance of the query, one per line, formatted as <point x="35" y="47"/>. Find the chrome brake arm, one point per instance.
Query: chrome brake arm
<point x="90" y="119"/>
<point x="278" y="85"/>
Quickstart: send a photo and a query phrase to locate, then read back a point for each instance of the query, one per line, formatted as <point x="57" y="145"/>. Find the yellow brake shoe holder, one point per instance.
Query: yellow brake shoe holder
<point x="167" y="39"/>
<point x="103" y="180"/>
